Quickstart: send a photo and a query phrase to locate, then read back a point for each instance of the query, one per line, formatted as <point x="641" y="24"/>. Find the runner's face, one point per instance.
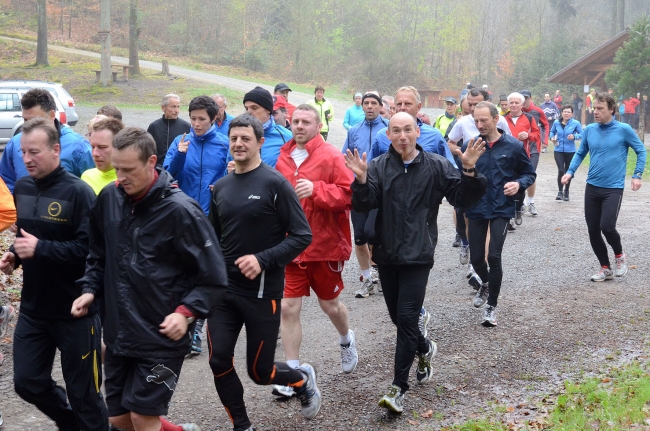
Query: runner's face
<point x="40" y="159"/>
<point x="505" y="106"/>
<point x="450" y="108"/>
<point x="567" y="114"/>
<point x="221" y="109"/>
<point x="403" y="133"/>
<point x="201" y="122"/>
<point x="134" y="176"/>
<point x="171" y="110"/>
<point x="305" y="125"/>
<point x="244" y="146"/>
<point x="515" y="107"/>
<point x="405" y="101"/>
<point x="357" y="100"/>
<point x="547" y="98"/>
<point x="473" y="101"/>
<point x="527" y="101"/>
<point x="257" y="111"/>
<point x="371" y="108"/>
<point x="319" y="95"/>
<point x="101" y="142"/>
<point x="602" y="114"/>
<point x="484" y="121"/>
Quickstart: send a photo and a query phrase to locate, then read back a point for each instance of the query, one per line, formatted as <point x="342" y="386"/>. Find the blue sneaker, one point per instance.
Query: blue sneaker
<point x="196" y="345"/>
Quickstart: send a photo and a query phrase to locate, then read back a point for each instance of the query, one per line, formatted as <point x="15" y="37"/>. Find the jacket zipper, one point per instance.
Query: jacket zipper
<point x="135" y="246"/>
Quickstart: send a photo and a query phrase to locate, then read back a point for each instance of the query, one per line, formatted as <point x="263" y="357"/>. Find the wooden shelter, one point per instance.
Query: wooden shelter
<point x="589" y="70"/>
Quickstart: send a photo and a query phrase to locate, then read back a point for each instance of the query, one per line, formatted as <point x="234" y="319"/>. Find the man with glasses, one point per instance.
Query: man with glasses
<point x="223" y="118"/>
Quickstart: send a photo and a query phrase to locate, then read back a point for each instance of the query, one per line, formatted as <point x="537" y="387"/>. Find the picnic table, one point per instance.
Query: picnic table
<point x="125" y="70"/>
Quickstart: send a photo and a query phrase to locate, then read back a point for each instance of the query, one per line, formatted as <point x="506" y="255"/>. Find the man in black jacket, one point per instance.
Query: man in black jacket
<point x="261" y="226"/>
<point x="164" y="130"/>
<point x="155" y="260"/>
<point x="51" y="245"/>
<point x="407" y="185"/>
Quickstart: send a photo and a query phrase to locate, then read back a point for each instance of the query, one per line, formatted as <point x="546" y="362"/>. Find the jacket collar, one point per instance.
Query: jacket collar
<point x="209" y="135"/>
<point x="168" y="120"/>
<point x="161" y="188"/>
<point x="376" y="121"/>
<point x="310" y="146"/>
<point x="51" y="178"/>
<point x="321" y="102"/>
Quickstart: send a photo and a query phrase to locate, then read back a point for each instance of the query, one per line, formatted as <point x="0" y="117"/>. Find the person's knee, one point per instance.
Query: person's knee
<point x="260" y="373"/>
<point x="122" y="422"/>
<point x="494" y="260"/>
<point x="608" y="229"/>
<point x="144" y="422"/>
<point x="331" y="307"/>
<point x="291" y="308"/>
<point x="221" y="364"/>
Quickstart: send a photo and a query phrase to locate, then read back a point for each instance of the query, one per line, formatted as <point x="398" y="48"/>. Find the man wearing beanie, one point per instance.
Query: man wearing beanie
<point x="324" y="108"/>
<point x="259" y="103"/>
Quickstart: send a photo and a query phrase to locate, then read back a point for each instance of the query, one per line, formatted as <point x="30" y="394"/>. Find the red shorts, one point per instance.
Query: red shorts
<point x="324" y="277"/>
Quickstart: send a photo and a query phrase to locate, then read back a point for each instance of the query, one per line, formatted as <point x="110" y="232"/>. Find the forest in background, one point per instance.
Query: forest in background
<point x="352" y="44"/>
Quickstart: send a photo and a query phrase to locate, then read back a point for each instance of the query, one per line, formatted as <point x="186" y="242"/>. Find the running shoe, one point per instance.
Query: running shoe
<point x="475" y="281"/>
<point x="621" y="266"/>
<point x="283" y="391"/>
<point x="6" y="313"/>
<point x="518" y="219"/>
<point x="2" y="421"/>
<point x="196" y="345"/>
<point x="603" y="274"/>
<point x="309" y="395"/>
<point x="464" y="254"/>
<point x="190" y="427"/>
<point x="481" y="295"/>
<point x="374" y="276"/>
<point x="423" y="321"/>
<point x="489" y="316"/>
<point x="559" y="196"/>
<point x="349" y="355"/>
<point x="393" y="400"/>
<point x="531" y="209"/>
<point x="424" y="372"/>
<point x="456" y="242"/>
<point x="566" y="196"/>
<point x="511" y="226"/>
<point x="470" y="270"/>
<point x="367" y="289"/>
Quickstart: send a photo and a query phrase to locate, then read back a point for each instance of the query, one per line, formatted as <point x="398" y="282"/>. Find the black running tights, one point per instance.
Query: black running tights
<point x="478" y="229"/>
<point x="562" y="160"/>
<point x="601" y="211"/>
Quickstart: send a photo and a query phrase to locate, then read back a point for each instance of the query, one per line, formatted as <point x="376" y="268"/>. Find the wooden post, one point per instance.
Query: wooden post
<point x="165" y="68"/>
<point x="105" y="36"/>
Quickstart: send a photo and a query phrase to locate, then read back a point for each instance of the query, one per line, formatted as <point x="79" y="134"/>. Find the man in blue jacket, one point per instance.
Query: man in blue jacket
<point x="76" y="156"/>
<point x="407" y="99"/>
<point x="507" y="169"/>
<point x="360" y="138"/>
<point x="607" y="141"/>
<point x="223" y="118"/>
<point x="259" y="103"/>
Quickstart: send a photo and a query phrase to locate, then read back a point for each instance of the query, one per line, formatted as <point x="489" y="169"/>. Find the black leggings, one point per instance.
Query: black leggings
<point x="562" y="160"/>
<point x="262" y="320"/>
<point x="461" y="226"/>
<point x="601" y="211"/>
<point x="404" y="289"/>
<point x="478" y="229"/>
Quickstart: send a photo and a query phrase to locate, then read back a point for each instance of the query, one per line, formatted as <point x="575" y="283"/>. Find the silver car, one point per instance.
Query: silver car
<point x="11" y="113"/>
<point x="56" y="89"/>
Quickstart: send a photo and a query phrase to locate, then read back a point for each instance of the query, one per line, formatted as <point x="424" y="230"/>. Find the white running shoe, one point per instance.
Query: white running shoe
<point x="603" y="274"/>
<point x="423" y="321"/>
<point x="621" y="266"/>
<point x="367" y="289"/>
<point x="349" y="355"/>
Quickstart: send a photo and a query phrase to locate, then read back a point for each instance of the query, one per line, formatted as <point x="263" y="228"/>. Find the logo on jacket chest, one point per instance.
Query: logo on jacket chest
<point x="253" y="197"/>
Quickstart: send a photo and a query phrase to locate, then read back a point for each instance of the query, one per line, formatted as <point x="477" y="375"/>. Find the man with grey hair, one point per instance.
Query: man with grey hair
<point x="164" y="130"/>
<point x="507" y="167"/>
<point x="223" y="119"/>
<point x="390" y="101"/>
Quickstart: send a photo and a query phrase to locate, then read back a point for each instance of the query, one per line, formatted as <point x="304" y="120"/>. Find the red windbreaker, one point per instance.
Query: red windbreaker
<point x="327" y="209"/>
<point x="525" y="123"/>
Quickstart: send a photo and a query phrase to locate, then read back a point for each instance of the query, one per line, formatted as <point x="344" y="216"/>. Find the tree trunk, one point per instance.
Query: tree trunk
<point x="620" y="15"/>
<point x="106" y="76"/>
<point x="134" y="33"/>
<point x="614" y="18"/>
<point x="41" y="40"/>
<point x="641" y="130"/>
<point x="165" y="68"/>
<point x="70" y="21"/>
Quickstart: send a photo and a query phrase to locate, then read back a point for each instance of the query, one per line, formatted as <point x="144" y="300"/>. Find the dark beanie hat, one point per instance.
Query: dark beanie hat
<point x="260" y="96"/>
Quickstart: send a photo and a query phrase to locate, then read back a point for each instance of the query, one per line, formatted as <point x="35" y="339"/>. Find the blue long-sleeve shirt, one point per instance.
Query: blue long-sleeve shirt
<point x="560" y="131"/>
<point x="353" y="116"/>
<point x="430" y="140"/>
<point x="360" y="136"/>
<point x="607" y="145"/>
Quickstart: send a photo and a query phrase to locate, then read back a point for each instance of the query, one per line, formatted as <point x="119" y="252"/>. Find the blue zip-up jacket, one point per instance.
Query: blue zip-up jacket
<point x="572" y="127"/>
<point x="360" y="136"/>
<point x="353" y="116"/>
<point x="607" y="145"/>
<point x="76" y="156"/>
<point x="225" y="124"/>
<point x="201" y="166"/>
<point x="430" y="140"/>
<point x="503" y="162"/>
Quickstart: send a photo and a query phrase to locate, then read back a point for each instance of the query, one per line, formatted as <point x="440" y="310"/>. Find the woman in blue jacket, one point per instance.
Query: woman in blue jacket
<point x="564" y="135"/>
<point x="354" y="115"/>
<point x="198" y="159"/>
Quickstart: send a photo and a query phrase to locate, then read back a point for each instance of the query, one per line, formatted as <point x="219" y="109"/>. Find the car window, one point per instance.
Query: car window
<point x="9" y="102"/>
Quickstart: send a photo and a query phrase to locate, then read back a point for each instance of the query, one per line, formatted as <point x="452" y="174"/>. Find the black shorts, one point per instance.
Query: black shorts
<point x="138" y="385"/>
<point x="363" y="225"/>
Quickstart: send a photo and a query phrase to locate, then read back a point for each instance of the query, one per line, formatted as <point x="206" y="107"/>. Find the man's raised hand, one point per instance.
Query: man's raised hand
<point x="358" y="165"/>
<point x="474" y="150"/>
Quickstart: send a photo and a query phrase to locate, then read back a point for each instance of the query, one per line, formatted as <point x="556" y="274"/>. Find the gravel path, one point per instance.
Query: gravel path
<point x="553" y="325"/>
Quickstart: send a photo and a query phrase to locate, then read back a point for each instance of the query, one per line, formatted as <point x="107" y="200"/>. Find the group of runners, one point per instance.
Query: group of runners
<point x="233" y="220"/>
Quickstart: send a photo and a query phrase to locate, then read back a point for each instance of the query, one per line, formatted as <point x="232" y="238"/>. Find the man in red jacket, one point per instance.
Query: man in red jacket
<point x="542" y="142"/>
<point x="322" y="182"/>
